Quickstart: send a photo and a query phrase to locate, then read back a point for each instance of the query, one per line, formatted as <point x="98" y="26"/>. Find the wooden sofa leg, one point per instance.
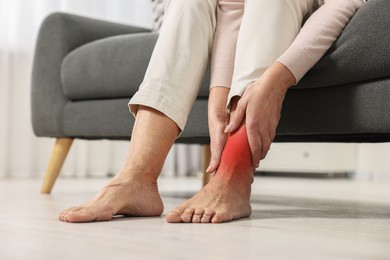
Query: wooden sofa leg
<point x="57" y="158"/>
<point x="206" y="157"/>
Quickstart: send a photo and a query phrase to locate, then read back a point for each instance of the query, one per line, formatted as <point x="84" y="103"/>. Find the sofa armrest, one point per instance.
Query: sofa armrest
<point x="60" y="33"/>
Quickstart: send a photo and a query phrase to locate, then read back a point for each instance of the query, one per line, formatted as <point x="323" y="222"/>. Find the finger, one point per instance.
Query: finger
<point x="216" y="153"/>
<point x="265" y="147"/>
<point x="255" y="143"/>
<point x="236" y="118"/>
<point x="214" y="163"/>
<point x="267" y="143"/>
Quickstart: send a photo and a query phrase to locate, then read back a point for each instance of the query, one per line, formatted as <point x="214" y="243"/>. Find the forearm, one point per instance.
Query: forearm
<point x="318" y="34"/>
<point x="229" y="14"/>
<point x="217" y="105"/>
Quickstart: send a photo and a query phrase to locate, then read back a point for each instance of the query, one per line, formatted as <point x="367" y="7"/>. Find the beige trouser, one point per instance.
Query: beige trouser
<point x="182" y="52"/>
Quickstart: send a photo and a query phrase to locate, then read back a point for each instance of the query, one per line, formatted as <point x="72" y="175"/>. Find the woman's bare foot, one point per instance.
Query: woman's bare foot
<point x="221" y="200"/>
<point x="133" y="192"/>
<point x="129" y="197"/>
<point x="227" y="196"/>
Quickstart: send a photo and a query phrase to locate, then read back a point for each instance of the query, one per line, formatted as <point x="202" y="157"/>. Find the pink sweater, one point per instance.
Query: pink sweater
<point x="316" y="36"/>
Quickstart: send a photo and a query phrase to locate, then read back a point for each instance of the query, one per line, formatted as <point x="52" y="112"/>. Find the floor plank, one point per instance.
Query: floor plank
<point x="292" y="219"/>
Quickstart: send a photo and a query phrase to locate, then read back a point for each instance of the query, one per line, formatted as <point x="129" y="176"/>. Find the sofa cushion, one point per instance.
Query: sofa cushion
<point x="355" y="112"/>
<point x="107" y="68"/>
<point x="110" y="68"/>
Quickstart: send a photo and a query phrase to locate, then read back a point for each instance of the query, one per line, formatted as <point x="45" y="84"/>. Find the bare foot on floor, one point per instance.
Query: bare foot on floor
<point x="221" y="200"/>
<point x="134" y="197"/>
<point x="227" y="196"/>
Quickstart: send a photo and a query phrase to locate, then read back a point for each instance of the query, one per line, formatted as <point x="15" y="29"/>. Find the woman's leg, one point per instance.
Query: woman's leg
<point x="133" y="192"/>
<point x="226" y="196"/>
<point x="267" y="29"/>
<point x="161" y="106"/>
<point x="179" y="59"/>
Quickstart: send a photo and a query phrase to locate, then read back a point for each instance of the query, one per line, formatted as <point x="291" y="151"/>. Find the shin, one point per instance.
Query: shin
<point x="236" y="157"/>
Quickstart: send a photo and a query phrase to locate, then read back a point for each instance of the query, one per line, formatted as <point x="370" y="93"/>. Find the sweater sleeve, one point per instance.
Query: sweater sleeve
<point x="229" y="15"/>
<point x="318" y="34"/>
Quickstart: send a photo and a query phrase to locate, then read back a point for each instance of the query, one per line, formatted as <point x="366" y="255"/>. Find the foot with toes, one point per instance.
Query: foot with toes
<point x="219" y="201"/>
<point x="135" y="197"/>
<point x="227" y="196"/>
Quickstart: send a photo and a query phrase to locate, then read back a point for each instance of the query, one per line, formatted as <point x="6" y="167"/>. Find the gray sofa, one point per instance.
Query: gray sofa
<point x="85" y="71"/>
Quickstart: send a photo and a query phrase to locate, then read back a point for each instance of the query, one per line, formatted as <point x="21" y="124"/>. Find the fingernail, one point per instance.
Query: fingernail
<point x="208" y="169"/>
<point x="228" y="128"/>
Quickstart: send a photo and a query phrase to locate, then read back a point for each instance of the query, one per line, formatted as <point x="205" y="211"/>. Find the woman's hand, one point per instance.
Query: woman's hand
<point x="217" y="116"/>
<point x="260" y="106"/>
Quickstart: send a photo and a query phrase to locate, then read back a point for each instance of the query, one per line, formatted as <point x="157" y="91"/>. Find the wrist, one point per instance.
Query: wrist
<point x="217" y="104"/>
<point x="280" y="76"/>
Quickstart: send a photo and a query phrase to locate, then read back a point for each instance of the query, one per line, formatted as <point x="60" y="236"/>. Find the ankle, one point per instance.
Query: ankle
<point x="128" y="176"/>
<point x="139" y="169"/>
<point x="236" y="158"/>
<point x="234" y="177"/>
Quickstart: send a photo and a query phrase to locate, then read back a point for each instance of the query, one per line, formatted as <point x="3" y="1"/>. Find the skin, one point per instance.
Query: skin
<point x="133" y="192"/>
<point x="227" y="196"/>
<point x="238" y="148"/>
<point x="252" y="124"/>
<point x="218" y="118"/>
<point x="260" y="106"/>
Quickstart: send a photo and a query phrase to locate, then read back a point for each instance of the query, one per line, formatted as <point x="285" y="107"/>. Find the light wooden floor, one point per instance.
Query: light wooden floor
<point x="292" y="219"/>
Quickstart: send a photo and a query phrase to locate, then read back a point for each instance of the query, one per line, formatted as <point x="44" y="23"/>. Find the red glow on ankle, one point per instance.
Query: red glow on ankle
<point x="236" y="156"/>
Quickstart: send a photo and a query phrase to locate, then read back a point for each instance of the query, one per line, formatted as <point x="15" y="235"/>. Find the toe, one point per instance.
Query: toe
<point x="60" y="216"/>
<point x="88" y="214"/>
<point x="206" y="218"/>
<point x="221" y="217"/>
<point x="63" y="214"/>
<point x="174" y="216"/>
<point x="69" y="211"/>
<point x="198" y="214"/>
<point x="77" y="215"/>
<point x="186" y="217"/>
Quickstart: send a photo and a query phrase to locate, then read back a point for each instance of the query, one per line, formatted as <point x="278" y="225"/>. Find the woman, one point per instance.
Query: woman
<point x="259" y="49"/>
